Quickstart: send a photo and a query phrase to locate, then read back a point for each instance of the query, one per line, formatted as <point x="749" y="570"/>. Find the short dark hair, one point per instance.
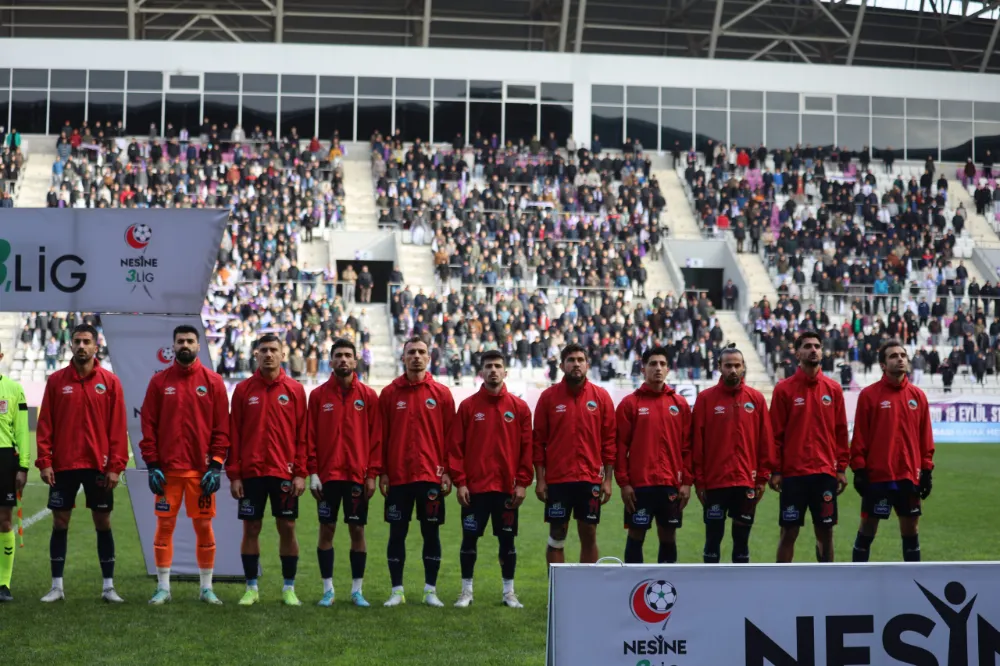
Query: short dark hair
<point x="806" y="335"/>
<point x="85" y="328"/>
<point x="343" y="343"/>
<point x="267" y="337"/>
<point x="571" y="348"/>
<point x="654" y="351"/>
<point x="184" y="328"/>
<point x="414" y="340"/>
<point x="492" y="355"/>
<point x="891" y="342"/>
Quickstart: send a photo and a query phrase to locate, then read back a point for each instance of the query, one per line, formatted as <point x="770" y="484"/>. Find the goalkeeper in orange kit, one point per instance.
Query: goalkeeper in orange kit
<point x="185" y="440"/>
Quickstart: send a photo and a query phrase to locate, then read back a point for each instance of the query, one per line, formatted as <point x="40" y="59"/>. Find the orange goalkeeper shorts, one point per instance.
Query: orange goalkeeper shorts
<point x="185" y="487"/>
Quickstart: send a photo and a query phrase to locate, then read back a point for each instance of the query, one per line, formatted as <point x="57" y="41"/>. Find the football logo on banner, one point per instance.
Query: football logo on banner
<point x="165" y="355"/>
<point x="652" y="601"/>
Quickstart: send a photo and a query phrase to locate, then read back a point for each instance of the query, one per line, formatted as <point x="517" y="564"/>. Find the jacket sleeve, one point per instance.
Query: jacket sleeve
<point x="43" y="433"/>
<point x="765" y="444"/>
<point x="698" y="443"/>
<point x="384" y="403"/>
<point x="840" y="433"/>
<point x="301" y="434"/>
<point x="926" y="435"/>
<point x="609" y="450"/>
<point x="540" y="434"/>
<point x="312" y="421"/>
<point x="218" y="448"/>
<point x="456" y="447"/>
<point x="623" y="422"/>
<point x="860" y="440"/>
<point x="118" y="432"/>
<point x="687" y="477"/>
<point x="150" y="421"/>
<point x="21" y="441"/>
<point x="779" y="419"/>
<point x="235" y="462"/>
<point x="375" y="442"/>
<point x="447" y="419"/>
<point x="525" y="472"/>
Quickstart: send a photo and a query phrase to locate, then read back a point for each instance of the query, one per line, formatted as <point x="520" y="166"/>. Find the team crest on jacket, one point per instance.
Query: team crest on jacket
<point x="202" y="391"/>
<point x="911" y="403"/>
<point x="359" y="405"/>
<point x="508" y="416"/>
<point x="282" y="399"/>
<point x="100" y="389"/>
<point x="431" y="403"/>
<point x="591" y="405"/>
<point x="674" y="410"/>
<point x="748" y="407"/>
<point x="827" y="400"/>
<point x="327" y="406"/>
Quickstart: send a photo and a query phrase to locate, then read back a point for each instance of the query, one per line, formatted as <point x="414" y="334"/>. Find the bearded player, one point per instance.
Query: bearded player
<point x="185" y="440"/>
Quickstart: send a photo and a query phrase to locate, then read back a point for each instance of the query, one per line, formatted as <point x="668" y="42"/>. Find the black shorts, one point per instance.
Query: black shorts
<point x="62" y="495"/>
<point x="427" y="497"/>
<point x="284" y="503"/>
<point x="353" y="496"/>
<point x="817" y="492"/>
<point x="881" y="498"/>
<point x="579" y="499"/>
<point x="486" y="507"/>
<point x="655" y="502"/>
<point x="10" y="463"/>
<point x="739" y="503"/>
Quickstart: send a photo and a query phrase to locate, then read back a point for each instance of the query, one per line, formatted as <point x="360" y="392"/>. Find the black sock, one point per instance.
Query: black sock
<point x="290" y="566"/>
<point x="106" y="553"/>
<point x="467" y="555"/>
<point x="325" y="562"/>
<point x="668" y="553"/>
<point x="741" y="543"/>
<point x="862" y="547"/>
<point x="57" y="552"/>
<point x="395" y="552"/>
<point x="358" y="560"/>
<point x="714" y="531"/>
<point x="911" y="548"/>
<point x="508" y="557"/>
<point x="633" y="551"/>
<point x="432" y="552"/>
<point x="251" y="566"/>
<point x="819" y="554"/>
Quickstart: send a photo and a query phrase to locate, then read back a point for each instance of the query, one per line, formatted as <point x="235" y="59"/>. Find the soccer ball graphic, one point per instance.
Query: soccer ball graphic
<point x="142" y="233"/>
<point x="661" y="596"/>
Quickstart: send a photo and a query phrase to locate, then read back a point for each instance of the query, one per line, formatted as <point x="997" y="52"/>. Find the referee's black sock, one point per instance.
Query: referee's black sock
<point x="667" y="553"/>
<point x="325" y="562"/>
<point x="467" y="555"/>
<point x="862" y="547"/>
<point x="741" y="543"/>
<point x="633" y="551"/>
<point x="432" y="552"/>
<point x="358" y="561"/>
<point x="714" y="531"/>
<point x="106" y="553"/>
<point x="57" y="552"/>
<point x="395" y="552"/>
<point x="911" y="548"/>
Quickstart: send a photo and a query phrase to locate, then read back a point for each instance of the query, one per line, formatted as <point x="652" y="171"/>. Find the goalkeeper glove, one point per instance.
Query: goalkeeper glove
<point x="861" y="481"/>
<point x="212" y="480"/>
<point x="156" y="479"/>
<point x="925" y="484"/>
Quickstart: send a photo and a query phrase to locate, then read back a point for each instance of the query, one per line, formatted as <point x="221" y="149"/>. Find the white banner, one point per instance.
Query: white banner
<point x="108" y="260"/>
<point x="141" y="346"/>
<point x="924" y="614"/>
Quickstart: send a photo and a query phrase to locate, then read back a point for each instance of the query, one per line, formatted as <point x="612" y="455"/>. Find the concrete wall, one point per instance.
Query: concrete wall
<point x="380" y="245"/>
<point x="714" y="254"/>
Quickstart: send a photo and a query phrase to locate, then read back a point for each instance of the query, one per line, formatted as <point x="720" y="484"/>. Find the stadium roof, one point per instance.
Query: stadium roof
<point x="958" y="35"/>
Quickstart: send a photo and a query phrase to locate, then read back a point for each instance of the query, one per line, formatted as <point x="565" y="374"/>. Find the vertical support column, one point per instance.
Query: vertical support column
<point x="425" y="40"/>
<point x="564" y="25"/>
<point x="581" y="17"/>
<point x="279" y="21"/>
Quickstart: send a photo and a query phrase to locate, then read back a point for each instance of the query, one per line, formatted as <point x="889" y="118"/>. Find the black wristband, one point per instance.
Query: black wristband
<point x="215" y="465"/>
<point x="150" y="466"/>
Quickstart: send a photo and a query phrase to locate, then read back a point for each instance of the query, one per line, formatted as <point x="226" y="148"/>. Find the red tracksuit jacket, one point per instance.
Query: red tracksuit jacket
<point x="574" y="432"/>
<point x="345" y="432"/>
<point x="654" y="439"/>
<point x="731" y="438"/>
<point x="809" y="422"/>
<point x="489" y="446"/>
<point x="416" y="418"/>
<point x="82" y="423"/>
<point x="268" y="428"/>
<point x="185" y="419"/>
<point x="892" y="432"/>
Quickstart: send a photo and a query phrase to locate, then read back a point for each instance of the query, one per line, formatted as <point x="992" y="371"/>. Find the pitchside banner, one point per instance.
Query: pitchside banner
<point x="924" y="614"/>
<point x="966" y="419"/>
<point x="141" y="346"/>
<point x="108" y="260"/>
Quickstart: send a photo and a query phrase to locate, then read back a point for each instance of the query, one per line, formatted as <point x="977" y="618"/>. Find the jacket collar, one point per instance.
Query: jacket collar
<point x="491" y="397"/>
<point x="646" y="389"/>
<point x="403" y="382"/>
<point x="280" y="379"/>
<point x="888" y="383"/>
<point x="188" y="369"/>
<point x="726" y="388"/>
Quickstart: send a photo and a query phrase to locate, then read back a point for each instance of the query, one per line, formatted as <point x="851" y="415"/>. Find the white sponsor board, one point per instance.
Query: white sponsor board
<point x="108" y="260"/>
<point x="143" y="346"/>
<point x="924" y="614"/>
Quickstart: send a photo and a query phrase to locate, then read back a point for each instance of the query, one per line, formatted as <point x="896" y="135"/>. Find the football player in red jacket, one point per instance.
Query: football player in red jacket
<point x="892" y="453"/>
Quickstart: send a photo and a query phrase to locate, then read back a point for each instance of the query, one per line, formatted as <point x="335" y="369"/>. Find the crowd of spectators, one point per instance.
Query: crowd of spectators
<point x="11" y="165"/>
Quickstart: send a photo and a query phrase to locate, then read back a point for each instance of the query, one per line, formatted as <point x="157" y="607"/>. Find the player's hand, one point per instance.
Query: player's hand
<point x="606" y="490"/>
<point x="462" y="494"/>
<point x="841" y="482"/>
<point x="775" y="483"/>
<point x="861" y="481"/>
<point x="369" y="487"/>
<point x="236" y="489"/>
<point x="445" y="484"/>
<point x="383" y="485"/>
<point x="701" y="495"/>
<point x="925" y="484"/>
<point x="49" y="476"/>
<point x="298" y="485"/>
<point x="316" y="487"/>
<point x="111" y="480"/>
<point x="684" y="492"/>
<point x="628" y="498"/>
<point x="212" y="479"/>
<point x="20" y="480"/>
<point x="519" y="494"/>
<point x="759" y="491"/>
<point x="156" y="480"/>
<point x="542" y="490"/>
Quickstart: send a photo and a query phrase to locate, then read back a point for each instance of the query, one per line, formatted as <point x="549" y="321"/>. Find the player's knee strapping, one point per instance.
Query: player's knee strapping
<point x="741" y="543"/>
<point x="163" y="541"/>
<point x="862" y="548"/>
<point x="911" y="548"/>
<point x="467" y="555"/>
<point x="714" y="531"/>
<point x="431" y="533"/>
<point x="556" y="544"/>
<point x="633" y="551"/>
<point x="507" y="554"/>
<point x="205" y="541"/>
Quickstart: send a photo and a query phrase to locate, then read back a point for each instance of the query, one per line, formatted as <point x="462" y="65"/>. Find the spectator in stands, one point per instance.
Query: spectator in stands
<point x="729" y="295"/>
<point x="365" y="283"/>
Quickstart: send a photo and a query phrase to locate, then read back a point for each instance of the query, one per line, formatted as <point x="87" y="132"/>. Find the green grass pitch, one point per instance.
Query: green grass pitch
<point x="958" y="525"/>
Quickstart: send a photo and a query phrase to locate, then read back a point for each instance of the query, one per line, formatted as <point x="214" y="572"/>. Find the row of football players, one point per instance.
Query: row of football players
<point x="411" y="445"/>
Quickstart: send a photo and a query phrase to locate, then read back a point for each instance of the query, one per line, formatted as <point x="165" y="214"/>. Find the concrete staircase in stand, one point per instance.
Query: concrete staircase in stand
<point x="977" y="225"/>
<point x="359" y="196"/>
<point x="417" y="265"/>
<point x="679" y="217"/>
